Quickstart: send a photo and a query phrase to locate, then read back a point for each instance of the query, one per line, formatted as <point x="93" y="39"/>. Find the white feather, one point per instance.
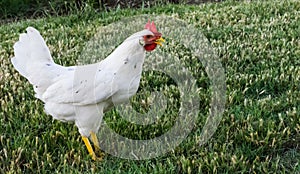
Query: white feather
<point x="80" y="93"/>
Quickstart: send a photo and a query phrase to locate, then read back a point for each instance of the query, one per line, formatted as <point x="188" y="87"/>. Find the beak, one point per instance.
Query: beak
<point x="159" y="41"/>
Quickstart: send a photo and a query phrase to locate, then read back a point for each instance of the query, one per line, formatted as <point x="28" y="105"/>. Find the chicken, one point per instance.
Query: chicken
<point x="81" y="94"/>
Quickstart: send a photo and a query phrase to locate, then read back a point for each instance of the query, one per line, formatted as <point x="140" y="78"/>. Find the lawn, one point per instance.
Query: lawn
<point x="258" y="45"/>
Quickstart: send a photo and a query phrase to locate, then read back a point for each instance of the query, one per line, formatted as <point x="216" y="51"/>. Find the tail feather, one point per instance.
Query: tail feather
<point x="33" y="61"/>
<point x="31" y="48"/>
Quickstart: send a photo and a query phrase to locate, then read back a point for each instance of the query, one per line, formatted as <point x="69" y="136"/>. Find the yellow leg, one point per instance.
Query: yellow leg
<point x="95" y="141"/>
<point x="96" y="144"/>
<point x="89" y="147"/>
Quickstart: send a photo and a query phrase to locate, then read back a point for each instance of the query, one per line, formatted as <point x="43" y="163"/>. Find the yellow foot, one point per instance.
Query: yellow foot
<point x="90" y="149"/>
<point x="96" y="145"/>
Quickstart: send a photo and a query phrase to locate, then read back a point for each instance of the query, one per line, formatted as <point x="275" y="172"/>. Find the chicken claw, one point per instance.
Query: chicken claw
<point x="90" y="149"/>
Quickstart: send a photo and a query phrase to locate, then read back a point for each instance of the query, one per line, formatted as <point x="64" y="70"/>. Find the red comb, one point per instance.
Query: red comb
<point x="151" y="26"/>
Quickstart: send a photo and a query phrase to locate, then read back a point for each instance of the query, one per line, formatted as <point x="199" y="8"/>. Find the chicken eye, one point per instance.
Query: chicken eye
<point x="148" y="36"/>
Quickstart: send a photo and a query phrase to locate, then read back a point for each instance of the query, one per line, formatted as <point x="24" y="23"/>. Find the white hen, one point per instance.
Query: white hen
<point x="83" y="93"/>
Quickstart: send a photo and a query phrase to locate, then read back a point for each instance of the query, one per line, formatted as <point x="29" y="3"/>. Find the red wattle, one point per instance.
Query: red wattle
<point x="150" y="47"/>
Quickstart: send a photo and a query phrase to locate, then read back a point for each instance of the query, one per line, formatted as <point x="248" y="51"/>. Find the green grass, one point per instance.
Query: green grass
<point x="258" y="44"/>
<point x="14" y="10"/>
